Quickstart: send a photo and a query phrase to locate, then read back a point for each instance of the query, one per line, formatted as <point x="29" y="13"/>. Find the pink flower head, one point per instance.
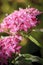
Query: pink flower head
<point x="33" y="11"/>
<point x="22" y="19"/>
<point x="8" y="46"/>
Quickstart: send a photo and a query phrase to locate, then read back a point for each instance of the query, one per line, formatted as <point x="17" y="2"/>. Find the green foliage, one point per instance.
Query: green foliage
<point x="34" y="41"/>
<point x="26" y="59"/>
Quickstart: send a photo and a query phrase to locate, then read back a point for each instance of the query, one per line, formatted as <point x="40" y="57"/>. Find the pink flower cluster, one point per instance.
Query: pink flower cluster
<point x="33" y="11"/>
<point x="22" y="19"/>
<point x="8" y="46"/>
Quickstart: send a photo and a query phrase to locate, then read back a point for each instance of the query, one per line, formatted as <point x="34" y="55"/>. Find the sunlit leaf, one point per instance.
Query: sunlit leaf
<point x="31" y="38"/>
<point x="33" y="58"/>
<point x="34" y="41"/>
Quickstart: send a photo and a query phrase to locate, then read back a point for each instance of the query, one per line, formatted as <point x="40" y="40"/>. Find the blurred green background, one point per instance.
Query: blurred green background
<point x="8" y="6"/>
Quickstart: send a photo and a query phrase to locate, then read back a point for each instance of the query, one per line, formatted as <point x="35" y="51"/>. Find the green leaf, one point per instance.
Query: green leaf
<point x="28" y="35"/>
<point x="32" y="58"/>
<point x="34" y="41"/>
<point x="27" y="58"/>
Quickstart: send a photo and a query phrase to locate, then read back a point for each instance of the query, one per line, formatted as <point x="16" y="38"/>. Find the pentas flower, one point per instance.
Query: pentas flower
<point x="8" y="46"/>
<point x="1" y="30"/>
<point x="33" y="11"/>
<point x="22" y="19"/>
